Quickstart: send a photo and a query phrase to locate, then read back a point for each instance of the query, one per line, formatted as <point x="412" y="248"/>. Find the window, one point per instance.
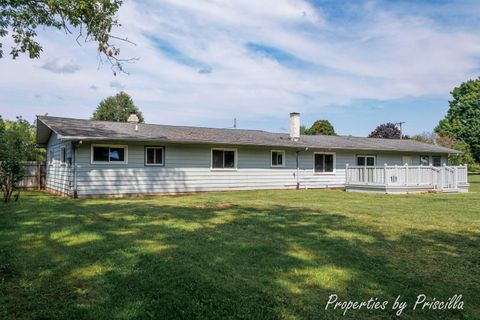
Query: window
<point x="224" y="159"/>
<point x="324" y="162"/>
<point x="109" y="154"/>
<point x="365" y="161"/>
<point x="63" y="155"/>
<point x="154" y="156"/>
<point x="437" y="161"/>
<point x="278" y="158"/>
<point x="407" y="160"/>
<point x="424" y="160"/>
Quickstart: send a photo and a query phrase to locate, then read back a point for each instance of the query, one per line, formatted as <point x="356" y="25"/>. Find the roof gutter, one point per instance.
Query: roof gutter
<point x="299" y="144"/>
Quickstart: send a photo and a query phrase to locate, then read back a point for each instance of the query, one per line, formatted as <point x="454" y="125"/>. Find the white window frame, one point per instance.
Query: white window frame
<point x="224" y="169"/>
<point x="283" y="159"/>
<point x="155" y="155"/>
<point x="366" y="156"/>
<point x="433" y="162"/>
<point x="109" y="146"/>
<point x="420" y="160"/>
<point x="334" y="163"/>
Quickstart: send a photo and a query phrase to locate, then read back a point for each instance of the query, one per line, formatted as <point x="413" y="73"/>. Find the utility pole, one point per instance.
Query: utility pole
<point x="400" y="125"/>
<point x="234" y="123"/>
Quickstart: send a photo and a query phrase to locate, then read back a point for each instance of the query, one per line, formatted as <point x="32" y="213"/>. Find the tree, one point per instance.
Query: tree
<point x="93" y="20"/>
<point x="18" y="138"/>
<point x="463" y="117"/>
<point x="425" y="137"/>
<point x="448" y="142"/>
<point x="303" y="129"/>
<point x="17" y="144"/>
<point x="2" y="137"/>
<point x="11" y="172"/>
<point x="117" y="108"/>
<point x="453" y="143"/>
<point x="321" y="127"/>
<point x="386" y="131"/>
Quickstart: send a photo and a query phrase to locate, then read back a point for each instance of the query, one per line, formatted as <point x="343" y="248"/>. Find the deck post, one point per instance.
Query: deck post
<point x="396" y="173"/>
<point x="346" y="174"/>
<point x="433" y="179"/>
<point x="455" y="177"/>
<point x="406" y="174"/>
<point x="365" y="175"/>
<point x="385" y="180"/>
<point x="442" y="176"/>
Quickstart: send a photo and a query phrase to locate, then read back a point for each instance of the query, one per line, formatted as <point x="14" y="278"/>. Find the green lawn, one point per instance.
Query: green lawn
<point x="248" y="255"/>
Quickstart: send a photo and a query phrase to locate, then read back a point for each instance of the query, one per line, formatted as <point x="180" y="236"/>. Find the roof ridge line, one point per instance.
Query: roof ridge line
<point x="159" y="124"/>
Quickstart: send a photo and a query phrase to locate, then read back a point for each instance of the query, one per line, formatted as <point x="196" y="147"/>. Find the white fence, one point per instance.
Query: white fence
<point x="441" y="178"/>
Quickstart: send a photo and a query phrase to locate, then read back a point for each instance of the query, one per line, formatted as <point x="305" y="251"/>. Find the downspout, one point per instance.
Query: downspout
<point x="298" y="166"/>
<point x="298" y="169"/>
<point x="74" y="147"/>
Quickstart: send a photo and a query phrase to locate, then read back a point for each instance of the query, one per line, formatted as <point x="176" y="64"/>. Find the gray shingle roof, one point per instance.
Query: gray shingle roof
<point x="78" y="129"/>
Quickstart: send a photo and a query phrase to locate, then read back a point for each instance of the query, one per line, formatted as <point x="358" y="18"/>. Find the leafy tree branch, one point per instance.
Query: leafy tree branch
<point x="94" y="20"/>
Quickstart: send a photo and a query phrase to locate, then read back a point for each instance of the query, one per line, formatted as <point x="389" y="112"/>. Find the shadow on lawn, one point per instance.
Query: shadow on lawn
<point x="115" y="261"/>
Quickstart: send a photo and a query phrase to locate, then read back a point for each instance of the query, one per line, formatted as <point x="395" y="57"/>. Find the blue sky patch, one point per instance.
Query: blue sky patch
<point x="284" y="58"/>
<point x="171" y="52"/>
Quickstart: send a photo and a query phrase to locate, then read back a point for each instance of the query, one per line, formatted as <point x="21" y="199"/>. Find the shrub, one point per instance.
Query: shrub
<point x="11" y="172"/>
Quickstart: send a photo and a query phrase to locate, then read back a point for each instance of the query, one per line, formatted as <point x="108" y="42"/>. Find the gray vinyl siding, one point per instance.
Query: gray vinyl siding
<point x="187" y="169"/>
<point x="58" y="175"/>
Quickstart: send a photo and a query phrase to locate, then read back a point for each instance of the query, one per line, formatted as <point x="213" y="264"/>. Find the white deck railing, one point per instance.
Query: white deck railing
<point x="445" y="177"/>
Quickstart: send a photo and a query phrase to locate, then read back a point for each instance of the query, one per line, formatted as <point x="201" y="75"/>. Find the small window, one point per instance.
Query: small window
<point x="324" y="162"/>
<point x="224" y="159"/>
<point x="424" y="160"/>
<point x="278" y="158"/>
<point x="437" y="161"/>
<point x="63" y="155"/>
<point x="109" y="154"/>
<point x="407" y="160"/>
<point x="154" y="156"/>
<point x="366" y="161"/>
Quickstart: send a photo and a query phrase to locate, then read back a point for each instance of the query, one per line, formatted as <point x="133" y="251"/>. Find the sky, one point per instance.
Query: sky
<point x="204" y="63"/>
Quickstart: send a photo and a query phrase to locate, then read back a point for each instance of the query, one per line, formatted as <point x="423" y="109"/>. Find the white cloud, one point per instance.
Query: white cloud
<point x="381" y="54"/>
<point x="117" y="85"/>
<point x="61" y="65"/>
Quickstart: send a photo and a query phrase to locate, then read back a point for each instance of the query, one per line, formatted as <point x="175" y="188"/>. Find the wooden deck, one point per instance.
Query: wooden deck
<point x="406" y="179"/>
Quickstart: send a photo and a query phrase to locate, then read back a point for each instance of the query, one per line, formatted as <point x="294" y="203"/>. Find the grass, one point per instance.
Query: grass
<point x="248" y="255"/>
